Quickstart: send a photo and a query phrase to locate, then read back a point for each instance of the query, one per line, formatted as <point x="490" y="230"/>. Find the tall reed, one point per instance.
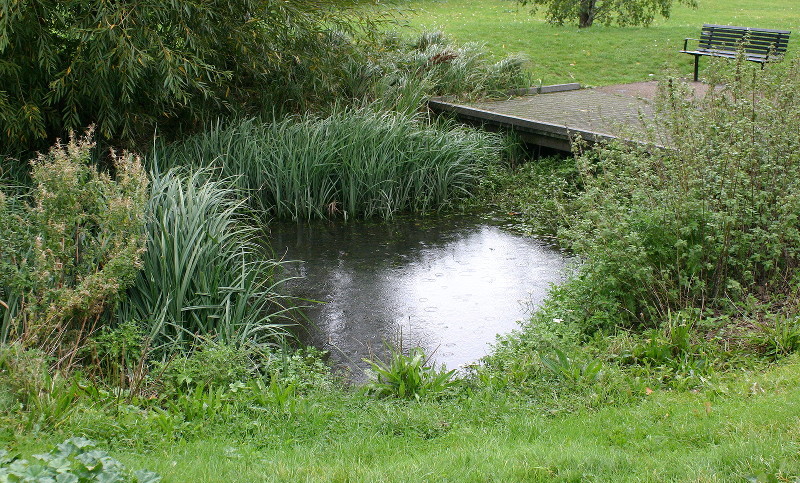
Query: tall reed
<point x="354" y="163"/>
<point x="203" y="274"/>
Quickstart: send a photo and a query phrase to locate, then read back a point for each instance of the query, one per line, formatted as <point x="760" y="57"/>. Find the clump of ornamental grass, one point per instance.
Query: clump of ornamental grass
<point x="391" y="72"/>
<point x="204" y="273"/>
<point x="411" y="70"/>
<point x="354" y="163"/>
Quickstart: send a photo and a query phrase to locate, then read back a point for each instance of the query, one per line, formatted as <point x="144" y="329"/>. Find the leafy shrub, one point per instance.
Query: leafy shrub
<point x="75" y="460"/>
<point x="354" y="163"/>
<point x="204" y="274"/>
<point x="69" y="249"/>
<point x="408" y="376"/>
<point x="118" y="354"/>
<point x="710" y="218"/>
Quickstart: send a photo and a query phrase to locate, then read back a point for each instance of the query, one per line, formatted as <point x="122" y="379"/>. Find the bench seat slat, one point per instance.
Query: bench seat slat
<point x="728" y="55"/>
<point x="731" y="27"/>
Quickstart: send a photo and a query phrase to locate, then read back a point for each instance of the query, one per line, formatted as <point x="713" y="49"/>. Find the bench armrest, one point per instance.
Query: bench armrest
<point x="686" y="41"/>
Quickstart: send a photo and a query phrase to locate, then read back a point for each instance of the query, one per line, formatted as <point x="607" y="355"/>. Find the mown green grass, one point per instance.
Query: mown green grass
<point x="747" y="428"/>
<point x="598" y="55"/>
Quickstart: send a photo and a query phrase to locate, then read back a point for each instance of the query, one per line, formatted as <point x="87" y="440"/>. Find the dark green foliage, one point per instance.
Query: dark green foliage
<point x="130" y="66"/>
<point x="118" y="354"/>
<point x="709" y="219"/>
<point x="204" y="274"/>
<point x="620" y="12"/>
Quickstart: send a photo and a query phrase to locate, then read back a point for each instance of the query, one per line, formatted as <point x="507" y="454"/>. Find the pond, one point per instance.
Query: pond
<point x="449" y="285"/>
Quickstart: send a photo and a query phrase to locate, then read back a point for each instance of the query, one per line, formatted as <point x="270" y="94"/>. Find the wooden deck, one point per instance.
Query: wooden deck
<point x="552" y="115"/>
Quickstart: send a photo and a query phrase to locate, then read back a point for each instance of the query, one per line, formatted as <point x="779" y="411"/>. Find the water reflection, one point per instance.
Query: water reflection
<point x="448" y="285"/>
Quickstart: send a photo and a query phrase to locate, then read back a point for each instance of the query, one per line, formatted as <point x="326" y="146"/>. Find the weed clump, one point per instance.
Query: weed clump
<point x="709" y="219"/>
<point x="408" y="376"/>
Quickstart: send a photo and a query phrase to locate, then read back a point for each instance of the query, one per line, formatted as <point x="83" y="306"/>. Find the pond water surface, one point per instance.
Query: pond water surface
<point x="449" y="285"/>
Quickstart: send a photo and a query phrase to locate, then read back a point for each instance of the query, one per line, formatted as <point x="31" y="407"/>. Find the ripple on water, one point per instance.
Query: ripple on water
<point x="486" y="278"/>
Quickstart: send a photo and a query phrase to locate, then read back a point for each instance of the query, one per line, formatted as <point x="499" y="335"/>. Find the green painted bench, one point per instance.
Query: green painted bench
<point x="757" y="45"/>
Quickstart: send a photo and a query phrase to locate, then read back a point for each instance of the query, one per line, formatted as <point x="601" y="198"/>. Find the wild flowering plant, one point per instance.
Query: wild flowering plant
<point x="70" y="248"/>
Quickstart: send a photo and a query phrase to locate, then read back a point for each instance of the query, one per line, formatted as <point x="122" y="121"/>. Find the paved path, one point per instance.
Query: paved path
<point x="551" y="119"/>
<point x="583" y="110"/>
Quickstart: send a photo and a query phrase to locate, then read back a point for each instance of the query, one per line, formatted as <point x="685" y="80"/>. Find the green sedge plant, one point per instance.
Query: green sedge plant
<point x="408" y="376"/>
<point x="351" y="164"/>
<point x="204" y="273"/>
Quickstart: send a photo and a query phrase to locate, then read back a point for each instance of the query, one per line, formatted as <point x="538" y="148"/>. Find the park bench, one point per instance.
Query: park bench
<point x="757" y="45"/>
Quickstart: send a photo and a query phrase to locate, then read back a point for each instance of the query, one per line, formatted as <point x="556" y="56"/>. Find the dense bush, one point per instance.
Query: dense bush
<point x="354" y="163"/>
<point x="70" y="248"/>
<point x="707" y="219"/>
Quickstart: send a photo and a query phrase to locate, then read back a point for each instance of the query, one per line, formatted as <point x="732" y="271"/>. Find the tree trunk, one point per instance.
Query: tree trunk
<point x="587" y="12"/>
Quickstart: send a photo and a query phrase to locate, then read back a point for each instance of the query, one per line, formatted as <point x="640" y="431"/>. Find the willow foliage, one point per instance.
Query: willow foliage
<point x="129" y="66"/>
<point x="618" y="12"/>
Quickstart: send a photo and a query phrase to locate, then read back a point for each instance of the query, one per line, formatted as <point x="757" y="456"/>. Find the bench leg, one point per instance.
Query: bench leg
<point x="696" y="66"/>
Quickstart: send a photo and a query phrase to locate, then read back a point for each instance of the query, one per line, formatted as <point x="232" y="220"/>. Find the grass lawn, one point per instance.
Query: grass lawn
<point x="748" y="428"/>
<point x="598" y="55"/>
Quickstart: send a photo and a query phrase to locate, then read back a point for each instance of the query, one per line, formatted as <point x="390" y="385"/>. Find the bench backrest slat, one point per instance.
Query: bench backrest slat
<point x="725" y="38"/>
